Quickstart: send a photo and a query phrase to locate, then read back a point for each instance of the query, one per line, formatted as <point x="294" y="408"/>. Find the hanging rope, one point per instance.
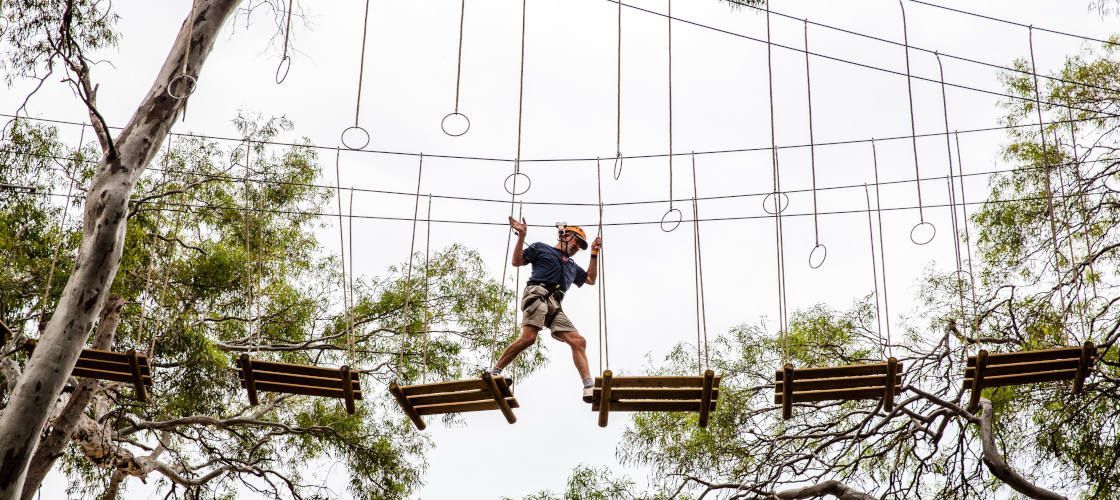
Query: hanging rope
<point x="427" y="280"/>
<point x="362" y="140"/>
<point x="874" y="271"/>
<point x="776" y="196"/>
<point x="183" y="78"/>
<point x="915" y="233"/>
<point x="698" y="261"/>
<point x="882" y="249"/>
<point x="951" y="191"/>
<point x="604" y="351"/>
<point x="347" y="298"/>
<point x="513" y="191"/>
<point x="668" y="223"/>
<point x="286" y="61"/>
<point x="817" y="246"/>
<point x="455" y="123"/>
<point x="250" y="318"/>
<point x="1046" y="184"/>
<point x="618" y="103"/>
<point x="967" y="235"/>
<point x="411" y="252"/>
<point x="350" y="280"/>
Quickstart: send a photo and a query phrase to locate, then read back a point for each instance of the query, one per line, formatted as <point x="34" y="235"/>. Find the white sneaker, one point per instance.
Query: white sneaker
<point x="588" y="394"/>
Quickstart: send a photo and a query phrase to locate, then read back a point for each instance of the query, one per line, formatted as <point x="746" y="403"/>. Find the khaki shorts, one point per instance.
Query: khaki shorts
<point x="537" y="305"/>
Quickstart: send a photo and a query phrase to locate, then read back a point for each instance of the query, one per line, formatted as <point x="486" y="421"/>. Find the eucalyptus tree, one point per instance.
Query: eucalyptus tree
<point x="221" y="258"/>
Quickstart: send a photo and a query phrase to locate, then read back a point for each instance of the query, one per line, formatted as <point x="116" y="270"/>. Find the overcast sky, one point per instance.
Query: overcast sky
<point x="720" y="102"/>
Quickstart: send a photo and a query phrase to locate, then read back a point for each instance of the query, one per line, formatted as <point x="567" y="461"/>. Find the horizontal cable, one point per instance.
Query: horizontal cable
<point x="1005" y="21"/>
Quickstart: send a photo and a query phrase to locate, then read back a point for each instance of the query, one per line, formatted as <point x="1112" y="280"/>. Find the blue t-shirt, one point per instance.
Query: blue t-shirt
<point x="550" y="266"/>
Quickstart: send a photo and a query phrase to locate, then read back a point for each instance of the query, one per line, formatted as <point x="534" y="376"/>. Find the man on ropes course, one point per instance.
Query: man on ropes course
<point x="554" y="272"/>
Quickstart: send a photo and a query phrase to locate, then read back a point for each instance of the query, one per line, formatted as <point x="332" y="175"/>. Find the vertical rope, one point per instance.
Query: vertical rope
<point x="874" y="270"/>
<point x="350" y="280"/>
<point x="513" y="192"/>
<point x="361" y="64"/>
<point x="1081" y="193"/>
<point x="411" y="252"/>
<point x="669" y="24"/>
<point x="427" y="280"/>
<point x="459" y="58"/>
<point x="347" y="291"/>
<point x="702" y="303"/>
<point x="882" y="250"/>
<point x="1046" y="184"/>
<point x="251" y="318"/>
<point x="913" y="126"/>
<point x="618" y="98"/>
<point x="601" y="293"/>
<point x="967" y="234"/>
<point x="952" y="192"/>
<point x="777" y="185"/>
<point x="812" y="143"/>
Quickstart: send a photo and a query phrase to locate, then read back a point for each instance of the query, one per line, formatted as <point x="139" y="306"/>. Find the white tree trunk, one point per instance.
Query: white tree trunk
<point x="999" y="468"/>
<point x="105" y="215"/>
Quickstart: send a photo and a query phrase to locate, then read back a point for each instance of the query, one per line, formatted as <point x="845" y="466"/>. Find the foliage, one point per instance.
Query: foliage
<point x="221" y="258"/>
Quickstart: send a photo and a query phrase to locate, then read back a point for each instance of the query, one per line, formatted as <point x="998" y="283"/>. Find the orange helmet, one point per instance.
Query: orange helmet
<point x="581" y="236"/>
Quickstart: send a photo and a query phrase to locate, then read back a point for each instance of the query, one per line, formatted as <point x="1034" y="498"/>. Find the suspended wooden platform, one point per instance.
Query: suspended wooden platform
<point x="1028" y="367"/>
<point x="128" y="367"/>
<point x="305" y="380"/>
<point x="694" y="394"/>
<point x="841" y="383"/>
<point x="460" y="396"/>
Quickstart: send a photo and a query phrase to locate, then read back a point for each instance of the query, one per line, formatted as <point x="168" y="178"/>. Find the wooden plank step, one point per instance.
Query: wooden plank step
<point x="652" y="393"/>
<point x="302" y="390"/>
<point x="450" y="397"/>
<point x="663" y="382"/>
<point x="1028" y="367"/>
<point x="292" y="368"/>
<point x="125" y="377"/>
<point x="1004" y="358"/>
<point x="1024" y="378"/>
<point x="800" y="385"/>
<point x="655" y="405"/>
<point x="439" y="409"/>
<point x="455" y="386"/>
<point x="286" y="378"/>
<point x="837" y="394"/>
<point x="111" y="366"/>
<point x="837" y="371"/>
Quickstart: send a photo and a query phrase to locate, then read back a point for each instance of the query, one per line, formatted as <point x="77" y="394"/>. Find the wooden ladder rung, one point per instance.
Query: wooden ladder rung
<point x="837" y="394"/>
<point x="855" y="382"/>
<point x="305" y="380"/>
<point x="693" y="382"/>
<point x="439" y="409"/>
<point x="1027" y="367"/>
<point x="450" y="397"/>
<point x="304" y="390"/>
<point x="836" y="371"/>
<point x="1004" y="358"/>
<point x="111" y="366"/>
<point x="444" y="387"/>
<point x="619" y="394"/>
<point x="655" y="405"/>
<point x="113" y="376"/>
<point x="1023" y="378"/>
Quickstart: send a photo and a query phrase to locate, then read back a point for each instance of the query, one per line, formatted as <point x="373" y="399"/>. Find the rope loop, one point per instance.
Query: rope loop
<point x="780" y="204"/>
<point x="355" y="138"/>
<point x="282" y="69"/>
<point x="511" y="181"/>
<point x="818" y="255"/>
<point x="455" y="124"/>
<point x="188" y="82"/>
<point x="617" y="165"/>
<point x="922" y="233"/>
<point x="668" y="223"/>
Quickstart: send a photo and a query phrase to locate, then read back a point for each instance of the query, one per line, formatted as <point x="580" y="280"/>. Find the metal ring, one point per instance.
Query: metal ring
<point x="509" y="189"/>
<point x="781" y="206"/>
<point x="680" y="217"/>
<point x="618" y="165"/>
<point x="962" y="276"/>
<point x="282" y="69"/>
<point x="455" y="124"/>
<point x="364" y="135"/>
<point x="1097" y="305"/>
<point x="920" y="241"/>
<point x="191" y="84"/>
<point x="823" y="255"/>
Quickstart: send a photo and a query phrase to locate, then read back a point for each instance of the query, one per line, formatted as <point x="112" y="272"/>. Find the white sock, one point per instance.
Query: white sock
<point x="588" y="382"/>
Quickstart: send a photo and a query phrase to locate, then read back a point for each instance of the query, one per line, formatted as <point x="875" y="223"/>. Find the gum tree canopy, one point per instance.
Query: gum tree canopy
<point x="192" y="253"/>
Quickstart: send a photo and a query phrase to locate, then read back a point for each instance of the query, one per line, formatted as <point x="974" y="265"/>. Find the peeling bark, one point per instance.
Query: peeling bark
<point x="51" y="447"/>
<point x="834" y="488"/>
<point x="99" y="254"/>
<point x="999" y="468"/>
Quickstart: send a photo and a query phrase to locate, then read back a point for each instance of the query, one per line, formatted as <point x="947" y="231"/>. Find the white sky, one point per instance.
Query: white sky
<point x="720" y="102"/>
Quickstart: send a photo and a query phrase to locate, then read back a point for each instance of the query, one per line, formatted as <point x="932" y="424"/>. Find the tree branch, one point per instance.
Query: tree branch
<point x="999" y="468"/>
